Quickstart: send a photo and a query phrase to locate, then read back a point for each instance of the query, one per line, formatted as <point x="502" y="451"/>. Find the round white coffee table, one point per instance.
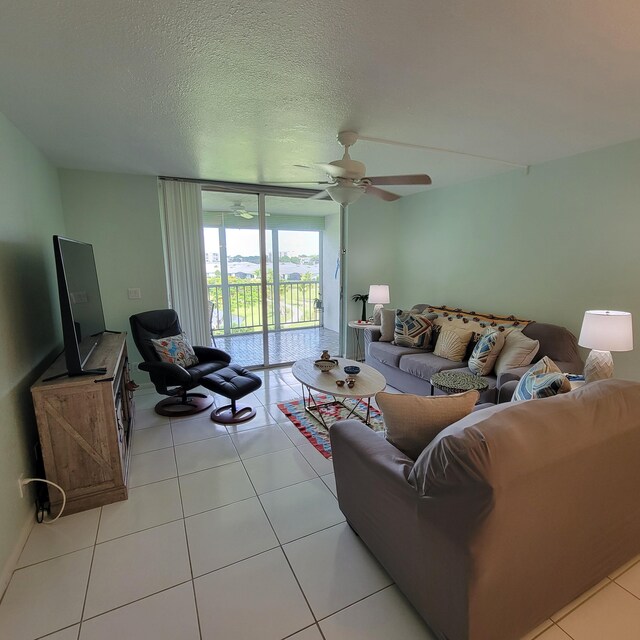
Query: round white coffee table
<point x="367" y="383"/>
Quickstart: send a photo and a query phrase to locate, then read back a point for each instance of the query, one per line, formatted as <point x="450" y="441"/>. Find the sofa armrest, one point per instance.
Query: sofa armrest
<point x="352" y="440"/>
<point x="518" y="372"/>
<point x="371" y="474"/>
<point x="505" y="393"/>
<point x="511" y="374"/>
<point x="371" y="335"/>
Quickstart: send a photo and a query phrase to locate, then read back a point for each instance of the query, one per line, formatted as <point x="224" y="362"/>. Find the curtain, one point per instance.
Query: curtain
<point x="182" y="234"/>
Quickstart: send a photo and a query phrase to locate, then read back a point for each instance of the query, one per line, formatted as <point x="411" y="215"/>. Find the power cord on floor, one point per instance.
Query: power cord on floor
<point x="26" y="481"/>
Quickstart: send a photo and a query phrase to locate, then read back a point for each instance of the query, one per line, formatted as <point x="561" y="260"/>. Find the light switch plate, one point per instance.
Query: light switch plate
<point x="134" y="294"/>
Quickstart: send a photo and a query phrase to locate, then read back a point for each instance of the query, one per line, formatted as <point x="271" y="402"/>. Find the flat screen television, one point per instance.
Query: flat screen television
<point x="80" y="303"/>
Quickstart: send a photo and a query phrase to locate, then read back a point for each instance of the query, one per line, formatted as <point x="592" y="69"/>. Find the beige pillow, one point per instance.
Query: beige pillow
<point x="412" y="422"/>
<point x="387" y="324"/>
<point x="518" y="351"/>
<point x="452" y="343"/>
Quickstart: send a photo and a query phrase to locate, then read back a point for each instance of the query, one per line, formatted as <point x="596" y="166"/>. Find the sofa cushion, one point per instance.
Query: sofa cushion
<point x="175" y="349"/>
<point x="424" y="365"/>
<point x="387" y="324"/>
<point x="486" y="352"/>
<point x="543" y="379"/>
<point x="412" y="422"/>
<point x="412" y="330"/>
<point x="388" y="353"/>
<point x="452" y="343"/>
<point x="518" y="351"/>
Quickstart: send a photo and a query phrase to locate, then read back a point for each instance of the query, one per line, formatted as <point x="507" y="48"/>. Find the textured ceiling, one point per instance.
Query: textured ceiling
<point x="243" y="89"/>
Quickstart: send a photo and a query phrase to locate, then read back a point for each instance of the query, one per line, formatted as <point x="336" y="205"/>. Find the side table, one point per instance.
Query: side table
<point x="452" y="381"/>
<point x="358" y="326"/>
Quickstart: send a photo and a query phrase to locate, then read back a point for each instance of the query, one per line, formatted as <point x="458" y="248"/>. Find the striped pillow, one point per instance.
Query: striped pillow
<point x="412" y="330"/>
<point x="486" y="352"/>
<point x="544" y="379"/>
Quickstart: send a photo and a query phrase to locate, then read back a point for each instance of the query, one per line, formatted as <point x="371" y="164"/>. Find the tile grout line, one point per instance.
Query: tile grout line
<point x="86" y="591"/>
<point x="295" y="577"/>
<point x="186" y="539"/>
<point x="609" y="581"/>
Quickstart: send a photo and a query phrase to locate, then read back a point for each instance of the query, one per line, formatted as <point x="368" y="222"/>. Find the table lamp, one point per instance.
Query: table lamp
<point x="604" y="332"/>
<point x="378" y="296"/>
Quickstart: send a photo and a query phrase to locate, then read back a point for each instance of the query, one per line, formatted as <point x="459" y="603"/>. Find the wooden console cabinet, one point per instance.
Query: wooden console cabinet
<point x="84" y="424"/>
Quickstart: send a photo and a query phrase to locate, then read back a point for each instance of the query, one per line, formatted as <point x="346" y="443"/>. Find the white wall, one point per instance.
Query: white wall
<point x="545" y="246"/>
<point x="371" y="232"/>
<point x="120" y="215"/>
<point x="331" y="279"/>
<point x="30" y="214"/>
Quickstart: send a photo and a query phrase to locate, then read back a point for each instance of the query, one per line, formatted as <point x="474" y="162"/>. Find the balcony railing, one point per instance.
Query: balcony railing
<point x="290" y="305"/>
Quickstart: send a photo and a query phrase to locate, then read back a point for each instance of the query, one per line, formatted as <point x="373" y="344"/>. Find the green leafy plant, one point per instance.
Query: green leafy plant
<point x="362" y="297"/>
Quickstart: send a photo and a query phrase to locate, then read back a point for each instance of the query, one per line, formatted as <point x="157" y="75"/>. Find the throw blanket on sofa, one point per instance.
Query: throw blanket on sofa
<point x="477" y="322"/>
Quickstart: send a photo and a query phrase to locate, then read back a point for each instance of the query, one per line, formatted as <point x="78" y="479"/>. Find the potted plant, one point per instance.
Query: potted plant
<point x="362" y="297"/>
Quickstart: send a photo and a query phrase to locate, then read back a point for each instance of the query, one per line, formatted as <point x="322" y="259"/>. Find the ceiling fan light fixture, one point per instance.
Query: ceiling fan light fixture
<point x="345" y="194"/>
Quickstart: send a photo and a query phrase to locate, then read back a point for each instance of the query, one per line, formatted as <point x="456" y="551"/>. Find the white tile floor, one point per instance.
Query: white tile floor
<point x="235" y="533"/>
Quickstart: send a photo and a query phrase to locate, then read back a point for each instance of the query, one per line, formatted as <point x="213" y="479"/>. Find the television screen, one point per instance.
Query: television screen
<point x="80" y="301"/>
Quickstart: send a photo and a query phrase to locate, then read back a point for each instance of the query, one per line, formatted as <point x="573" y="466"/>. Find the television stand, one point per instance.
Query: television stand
<point x="85" y="372"/>
<point x="84" y="427"/>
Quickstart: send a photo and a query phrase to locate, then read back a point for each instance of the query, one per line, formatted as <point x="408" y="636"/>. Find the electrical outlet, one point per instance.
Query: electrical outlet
<point x="134" y="293"/>
<point x="20" y="485"/>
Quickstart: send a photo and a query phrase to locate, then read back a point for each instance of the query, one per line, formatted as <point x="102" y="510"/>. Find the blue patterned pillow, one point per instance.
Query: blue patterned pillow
<point x="544" y="379"/>
<point x="175" y="349"/>
<point x="412" y="330"/>
<point x="486" y="352"/>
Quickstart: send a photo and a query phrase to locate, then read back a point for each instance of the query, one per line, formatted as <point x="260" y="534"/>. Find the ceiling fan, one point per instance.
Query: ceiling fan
<point x="238" y="209"/>
<point x="347" y="181"/>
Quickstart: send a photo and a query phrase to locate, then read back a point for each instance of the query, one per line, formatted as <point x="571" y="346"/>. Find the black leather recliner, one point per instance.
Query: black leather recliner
<point x="214" y="371"/>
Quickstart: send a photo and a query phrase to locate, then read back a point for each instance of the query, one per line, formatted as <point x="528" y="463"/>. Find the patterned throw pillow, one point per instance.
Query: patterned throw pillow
<point x="486" y="352"/>
<point x="452" y="343"/>
<point x="412" y="330"/>
<point x="544" y="379"/>
<point x="175" y="349"/>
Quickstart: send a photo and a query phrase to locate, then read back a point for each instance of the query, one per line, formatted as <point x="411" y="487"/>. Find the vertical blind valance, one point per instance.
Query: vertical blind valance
<point x="274" y="221"/>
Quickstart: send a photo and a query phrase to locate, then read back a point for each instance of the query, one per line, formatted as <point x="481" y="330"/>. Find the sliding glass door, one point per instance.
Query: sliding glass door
<point x="273" y="271"/>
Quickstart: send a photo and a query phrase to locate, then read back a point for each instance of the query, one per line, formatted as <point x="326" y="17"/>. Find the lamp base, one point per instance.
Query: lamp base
<point x="377" y="314"/>
<point x="599" y="366"/>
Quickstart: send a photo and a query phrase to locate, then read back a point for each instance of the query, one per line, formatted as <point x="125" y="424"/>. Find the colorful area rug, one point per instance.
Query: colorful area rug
<point x="314" y="431"/>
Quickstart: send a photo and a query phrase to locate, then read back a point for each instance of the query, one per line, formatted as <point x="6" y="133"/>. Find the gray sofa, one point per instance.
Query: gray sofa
<point x="411" y="369"/>
<point x="508" y="515"/>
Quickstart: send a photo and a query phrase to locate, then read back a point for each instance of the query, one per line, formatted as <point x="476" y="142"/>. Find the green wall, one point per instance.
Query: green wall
<point x="30" y="214"/>
<point x="119" y="214"/>
<point x="370" y="231"/>
<point x="546" y="246"/>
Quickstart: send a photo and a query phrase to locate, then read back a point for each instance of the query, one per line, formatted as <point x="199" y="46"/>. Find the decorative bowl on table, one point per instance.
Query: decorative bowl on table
<point x="352" y="370"/>
<point x="326" y="365"/>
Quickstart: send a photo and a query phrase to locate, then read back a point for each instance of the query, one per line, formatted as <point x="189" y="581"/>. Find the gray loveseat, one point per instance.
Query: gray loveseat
<point x="410" y="369"/>
<point x="508" y="515"/>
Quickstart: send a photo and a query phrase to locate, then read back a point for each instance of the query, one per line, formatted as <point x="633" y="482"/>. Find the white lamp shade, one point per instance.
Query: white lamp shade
<point x="344" y="194"/>
<point x="607" y="331"/>
<point x="379" y="294"/>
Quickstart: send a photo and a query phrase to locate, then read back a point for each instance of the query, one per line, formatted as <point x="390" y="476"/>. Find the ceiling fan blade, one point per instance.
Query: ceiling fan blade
<point x="418" y="178"/>
<point x="381" y="193"/>
<point x="321" y="195"/>
<point x="246" y="214"/>
<point x="296" y="182"/>
<point x="333" y="170"/>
